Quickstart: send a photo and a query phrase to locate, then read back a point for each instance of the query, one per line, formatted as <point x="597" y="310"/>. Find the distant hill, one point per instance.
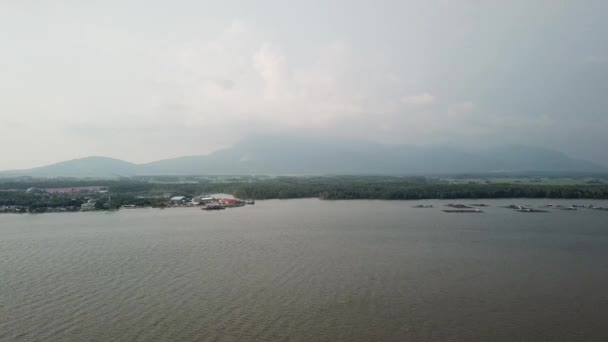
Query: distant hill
<point x="514" y="158"/>
<point x="301" y="156"/>
<point x="296" y="156"/>
<point x="83" y="167"/>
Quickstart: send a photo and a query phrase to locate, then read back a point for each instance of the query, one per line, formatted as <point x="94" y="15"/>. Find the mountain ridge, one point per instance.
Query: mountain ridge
<point x="301" y="156"/>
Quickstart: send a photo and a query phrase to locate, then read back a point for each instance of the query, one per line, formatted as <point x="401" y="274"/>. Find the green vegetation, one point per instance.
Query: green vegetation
<point x="38" y="202"/>
<point x="155" y="191"/>
<point x="396" y="188"/>
<point x="527" y="180"/>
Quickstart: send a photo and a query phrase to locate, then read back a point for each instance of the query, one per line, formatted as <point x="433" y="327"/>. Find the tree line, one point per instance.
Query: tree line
<point x="150" y="193"/>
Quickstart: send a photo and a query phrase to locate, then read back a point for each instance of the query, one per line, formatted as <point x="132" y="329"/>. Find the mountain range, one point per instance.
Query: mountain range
<point x="293" y="156"/>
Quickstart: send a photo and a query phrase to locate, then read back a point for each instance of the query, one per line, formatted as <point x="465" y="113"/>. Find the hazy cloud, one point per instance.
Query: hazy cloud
<point x="418" y="100"/>
<point x="597" y="60"/>
<point x="187" y="78"/>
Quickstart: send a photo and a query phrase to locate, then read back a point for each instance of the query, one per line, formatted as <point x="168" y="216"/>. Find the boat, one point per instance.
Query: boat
<point x="516" y="207"/>
<point x="459" y="206"/>
<point x="462" y="211"/>
<point x="213" y="206"/>
<point x="231" y="202"/>
<point x="531" y="210"/>
<point x="423" y="206"/>
<point x="250" y="202"/>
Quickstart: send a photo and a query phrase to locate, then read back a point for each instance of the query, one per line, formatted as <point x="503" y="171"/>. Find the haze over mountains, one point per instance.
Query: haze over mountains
<point x="305" y="157"/>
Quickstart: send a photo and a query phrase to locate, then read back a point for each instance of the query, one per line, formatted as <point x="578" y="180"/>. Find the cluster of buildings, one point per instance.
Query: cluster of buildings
<point x="206" y="200"/>
<point x="88" y="205"/>
<point x="90" y="198"/>
<point x="68" y="199"/>
<point x="20" y="209"/>
<point x="17" y="209"/>
<point x="78" y="190"/>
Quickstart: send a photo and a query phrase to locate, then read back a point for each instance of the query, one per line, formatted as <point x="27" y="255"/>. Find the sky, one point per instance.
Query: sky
<point x="147" y="80"/>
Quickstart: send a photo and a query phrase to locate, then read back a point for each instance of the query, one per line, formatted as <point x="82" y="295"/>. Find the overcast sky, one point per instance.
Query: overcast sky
<point x="145" y="80"/>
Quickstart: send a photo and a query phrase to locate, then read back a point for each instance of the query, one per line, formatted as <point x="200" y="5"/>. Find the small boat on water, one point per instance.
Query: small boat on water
<point x="516" y="207"/>
<point x="423" y="206"/>
<point x="531" y="210"/>
<point x="458" y="206"/>
<point x="462" y="211"/>
<point x="213" y="206"/>
<point x="250" y="202"/>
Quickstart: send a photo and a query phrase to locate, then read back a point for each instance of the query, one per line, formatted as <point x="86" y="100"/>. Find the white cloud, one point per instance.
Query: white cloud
<point x="242" y="83"/>
<point x="271" y="65"/>
<point x="265" y="89"/>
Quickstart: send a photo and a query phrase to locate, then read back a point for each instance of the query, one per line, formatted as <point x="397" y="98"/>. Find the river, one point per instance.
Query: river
<point x="306" y="270"/>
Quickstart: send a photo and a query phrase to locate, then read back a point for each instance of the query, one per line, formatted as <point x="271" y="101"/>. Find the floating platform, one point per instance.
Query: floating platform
<point x="459" y="206"/>
<point x="530" y="210"/>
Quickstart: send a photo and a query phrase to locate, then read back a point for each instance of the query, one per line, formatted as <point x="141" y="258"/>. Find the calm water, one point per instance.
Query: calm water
<point x="305" y="270"/>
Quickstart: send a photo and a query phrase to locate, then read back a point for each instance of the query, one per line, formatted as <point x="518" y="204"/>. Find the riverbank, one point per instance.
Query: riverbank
<point x="523" y="205"/>
<point x="51" y="195"/>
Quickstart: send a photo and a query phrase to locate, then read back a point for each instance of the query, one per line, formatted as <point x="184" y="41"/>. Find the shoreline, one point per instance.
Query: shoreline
<point x="458" y="203"/>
